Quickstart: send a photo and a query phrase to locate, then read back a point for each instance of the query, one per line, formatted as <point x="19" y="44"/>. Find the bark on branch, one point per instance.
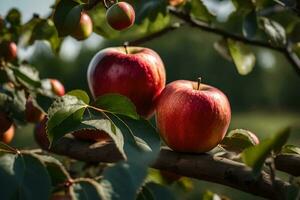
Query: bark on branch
<point x="200" y="166"/>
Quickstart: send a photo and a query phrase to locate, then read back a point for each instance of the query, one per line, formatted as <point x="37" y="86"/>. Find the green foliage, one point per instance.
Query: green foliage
<point x="255" y="156"/>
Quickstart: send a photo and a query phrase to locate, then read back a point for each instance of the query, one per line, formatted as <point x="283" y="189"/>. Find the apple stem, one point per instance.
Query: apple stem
<point x="199" y="83"/>
<point x="125" y="45"/>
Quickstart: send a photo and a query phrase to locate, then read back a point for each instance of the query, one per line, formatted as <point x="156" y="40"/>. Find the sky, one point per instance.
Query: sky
<point x="42" y="7"/>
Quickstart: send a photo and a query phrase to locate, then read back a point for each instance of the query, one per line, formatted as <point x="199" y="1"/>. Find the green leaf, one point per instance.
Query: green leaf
<point x="13" y="17"/>
<point x="255" y="156"/>
<point x="238" y="140"/>
<point x="290" y="149"/>
<point x="154" y="191"/>
<point x="149" y="9"/>
<point x="66" y="16"/>
<point x="208" y="195"/>
<point x="80" y="94"/>
<point x="117" y="104"/>
<point x="28" y="76"/>
<point x="274" y="31"/>
<point x="23" y="177"/>
<point x="55" y="169"/>
<point x="250" y="25"/>
<point x="243" y="58"/>
<point x="243" y="7"/>
<point x="86" y="189"/>
<point x="222" y="48"/>
<point x="199" y="11"/>
<point x="123" y="180"/>
<point x="68" y="109"/>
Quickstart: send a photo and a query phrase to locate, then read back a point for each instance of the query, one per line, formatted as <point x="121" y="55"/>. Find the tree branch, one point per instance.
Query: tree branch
<point x="201" y="166"/>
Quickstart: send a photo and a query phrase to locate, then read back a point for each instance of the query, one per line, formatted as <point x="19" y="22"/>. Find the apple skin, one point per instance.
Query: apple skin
<point x="8" y="50"/>
<point x="120" y="16"/>
<point x="84" y="28"/>
<point x="191" y="119"/>
<point x="138" y="74"/>
<point x="176" y="2"/>
<point x="57" y="87"/>
<point x="32" y="113"/>
<point x="8" y="135"/>
<point x="40" y="134"/>
<point x="92" y="135"/>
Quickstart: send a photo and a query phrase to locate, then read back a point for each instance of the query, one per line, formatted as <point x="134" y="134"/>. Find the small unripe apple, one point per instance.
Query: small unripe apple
<point x="84" y="28"/>
<point x="120" y="16"/>
<point x="57" y="87"/>
<point x="92" y="135"/>
<point x="8" y="50"/>
<point x="135" y="72"/>
<point x="32" y="113"/>
<point x="8" y="135"/>
<point x="176" y="2"/>
<point x="40" y="134"/>
<point x="192" y="117"/>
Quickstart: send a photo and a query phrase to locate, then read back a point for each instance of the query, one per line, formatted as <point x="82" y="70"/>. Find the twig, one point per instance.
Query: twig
<point x="201" y="166"/>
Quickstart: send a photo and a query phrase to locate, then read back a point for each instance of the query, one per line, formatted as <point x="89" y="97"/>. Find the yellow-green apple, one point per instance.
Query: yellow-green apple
<point x="57" y="87"/>
<point x="84" y="28"/>
<point x="32" y="113"/>
<point x="8" y="50"/>
<point x="135" y="72"/>
<point x="120" y="16"/>
<point x="7" y="129"/>
<point x="192" y="117"/>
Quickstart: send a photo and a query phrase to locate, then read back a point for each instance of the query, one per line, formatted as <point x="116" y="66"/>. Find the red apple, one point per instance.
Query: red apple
<point x="5" y="122"/>
<point x="120" y="16"/>
<point x="40" y="134"/>
<point x="137" y="73"/>
<point x="92" y="135"/>
<point x="57" y="87"/>
<point x="84" y="28"/>
<point x="32" y="113"/>
<point x="8" y="50"/>
<point x="192" y="117"/>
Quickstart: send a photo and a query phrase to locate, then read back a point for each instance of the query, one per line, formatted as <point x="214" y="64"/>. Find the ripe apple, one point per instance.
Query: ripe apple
<point x="57" y="87"/>
<point x="8" y="50"/>
<point x="176" y="2"/>
<point x="192" y="117"/>
<point x="135" y="72"/>
<point x="7" y="129"/>
<point x="120" y="16"/>
<point x="92" y="135"/>
<point x="40" y="134"/>
<point x="84" y="28"/>
<point x="32" y="113"/>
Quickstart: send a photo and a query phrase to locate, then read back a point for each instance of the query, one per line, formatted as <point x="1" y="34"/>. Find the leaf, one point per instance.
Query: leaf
<point x="250" y="25"/>
<point x="154" y="191"/>
<point x="122" y="180"/>
<point x="149" y="10"/>
<point x="222" y="48"/>
<point x="67" y="108"/>
<point x="86" y="189"/>
<point x="13" y="17"/>
<point x="199" y="11"/>
<point x="208" y="195"/>
<point x="290" y="149"/>
<point x="66" y="16"/>
<point x="21" y="178"/>
<point x="80" y="94"/>
<point x="28" y="76"/>
<point x="243" y="7"/>
<point x="146" y="145"/>
<point x="274" y="31"/>
<point x="117" y="104"/>
<point x="243" y="58"/>
<point x="255" y="156"/>
<point x="55" y="169"/>
<point x="7" y="149"/>
<point x="238" y="140"/>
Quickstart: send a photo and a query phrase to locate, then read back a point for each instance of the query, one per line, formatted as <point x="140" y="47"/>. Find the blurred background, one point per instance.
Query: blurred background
<point x="265" y="101"/>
